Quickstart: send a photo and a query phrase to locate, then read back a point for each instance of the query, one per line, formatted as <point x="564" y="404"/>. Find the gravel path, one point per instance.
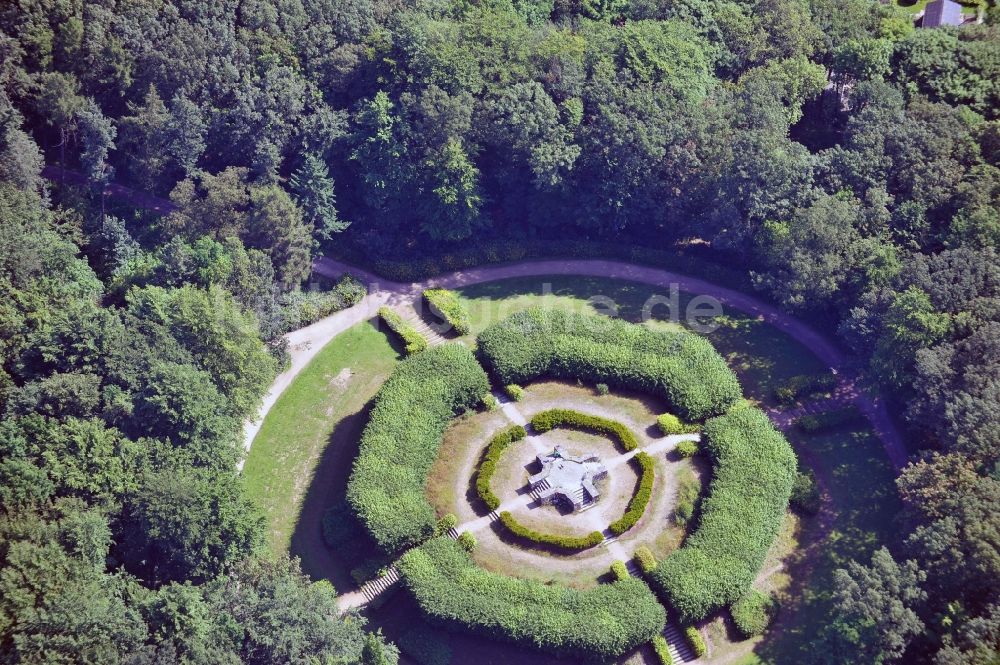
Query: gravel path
<point x="305" y="343"/>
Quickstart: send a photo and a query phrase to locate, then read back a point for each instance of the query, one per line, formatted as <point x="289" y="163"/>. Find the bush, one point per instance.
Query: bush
<point x="669" y="424"/>
<point x="805" y="493"/>
<point x="647" y="562"/>
<point x="515" y="392"/>
<point x="687" y="449"/>
<point x="601" y="623"/>
<point x="568" y="543"/>
<point x="413" y="341"/>
<point x="619" y="571"/>
<point x="446" y="304"/>
<point x="637" y="504"/>
<point x="804" y="385"/>
<point x="298" y="309"/>
<point x="602" y="389"/>
<point x="662" y="650"/>
<point x="695" y="641"/>
<point x="680" y="366"/>
<point x="754" y="469"/>
<point x="753" y="613"/>
<point x="553" y="418"/>
<point x="401" y="440"/>
<point x="490" y="402"/>
<point x="467" y="541"/>
<point x="488" y="466"/>
<point x="829" y="420"/>
<point x="425" y="646"/>
<point x="445" y="524"/>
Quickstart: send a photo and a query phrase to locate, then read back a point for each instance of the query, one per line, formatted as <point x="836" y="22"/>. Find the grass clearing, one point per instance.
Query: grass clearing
<point x="312" y="423"/>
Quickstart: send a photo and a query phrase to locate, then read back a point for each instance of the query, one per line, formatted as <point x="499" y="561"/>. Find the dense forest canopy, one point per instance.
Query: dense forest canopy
<point x="846" y="161"/>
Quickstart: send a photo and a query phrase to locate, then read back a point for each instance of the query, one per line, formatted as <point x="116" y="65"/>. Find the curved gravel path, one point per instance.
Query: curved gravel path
<point x="305" y="343"/>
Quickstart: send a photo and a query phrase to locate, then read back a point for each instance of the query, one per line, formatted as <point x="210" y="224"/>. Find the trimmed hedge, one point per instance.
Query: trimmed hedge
<point x="544" y="421"/>
<point x="680" y="366"/>
<point x="446" y="304"/>
<point x="401" y="440"/>
<point x="498" y="444"/>
<point x="467" y="541"/>
<point x="829" y="420"/>
<point x="619" y="571"/>
<point x="687" y="449"/>
<point x="599" y="624"/>
<point x="754" y="469"/>
<point x="803" y="385"/>
<point x="637" y="504"/>
<point x="514" y="391"/>
<point x="646" y="559"/>
<point x="695" y="641"/>
<point x="753" y="613"/>
<point x="413" y="341"/>
<point x="662" y="650"/>
<point x="568" y="543"/>
<point x="669" y="424"/>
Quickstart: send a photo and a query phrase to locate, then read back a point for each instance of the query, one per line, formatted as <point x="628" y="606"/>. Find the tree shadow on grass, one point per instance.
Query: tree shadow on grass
<point x="328" y="488"/>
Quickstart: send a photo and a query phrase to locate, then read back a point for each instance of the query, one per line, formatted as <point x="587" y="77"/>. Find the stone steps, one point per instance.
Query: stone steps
<point x="380" y="584"/>
<point x="677" y="644"/>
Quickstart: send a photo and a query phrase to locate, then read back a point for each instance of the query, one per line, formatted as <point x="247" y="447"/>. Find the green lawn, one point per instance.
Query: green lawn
<point x="304" y="449"/>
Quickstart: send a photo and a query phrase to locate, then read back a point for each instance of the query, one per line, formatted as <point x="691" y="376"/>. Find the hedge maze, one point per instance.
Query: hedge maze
<point x="754" y="469"/>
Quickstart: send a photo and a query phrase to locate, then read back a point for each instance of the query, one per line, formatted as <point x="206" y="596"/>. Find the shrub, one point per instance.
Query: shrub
<point x="647" y="562"/>
<point x="804" y="385"/>
<point x="695" y="641"/>
<point x="413" y="341"/>
<point x="426" y="646"/>
<point x="829" y="420"/>
<point x="680" y="366"/>
<point x="568" y="543"/>
<point x="490" y="402"/>
<point x="601" y="623"/>
<point x="467" y="541"/>
<point x="669" y="424"/>
<point x="553" y="418"/>
<point x="400" y="442"/>
<point x="688" y="495"/>
<point x="805" y="493"/>
<point x="754" y="469"/>
<point x="753" y="613"/>
<point x="445" y="524"/>
<point x="637" y="504"/>
<point x="297" y="309"/>
<point x="662" y="650"/>
<point x="602" y="389"/>
<point x="488" y="466"/>
<point x="687" y="449"/>
<point x="619" y="571"/>
<point x="515" y="392"/>
<point x="446" y="304"/>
